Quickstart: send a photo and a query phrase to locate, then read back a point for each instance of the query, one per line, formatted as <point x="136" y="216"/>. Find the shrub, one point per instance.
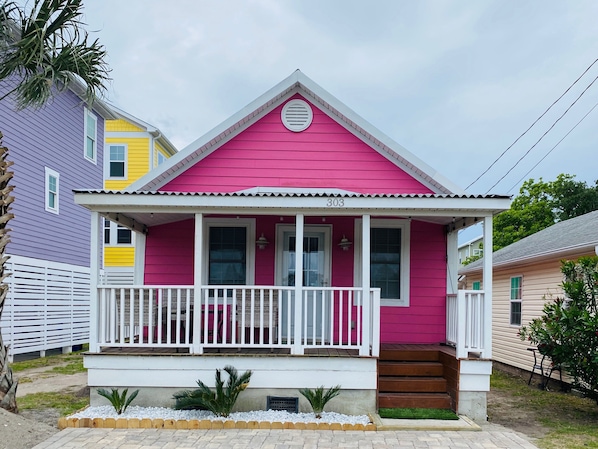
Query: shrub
<point x="120" y="402"/>
<point x="221" y="401"/>
<point x="318" y="398"/>
<point x="567" y="331"/>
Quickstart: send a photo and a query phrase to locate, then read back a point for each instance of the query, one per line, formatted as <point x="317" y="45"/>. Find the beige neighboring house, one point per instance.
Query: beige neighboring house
<point x="525" y="274"/>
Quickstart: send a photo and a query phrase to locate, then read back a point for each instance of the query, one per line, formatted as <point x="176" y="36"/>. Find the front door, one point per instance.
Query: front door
<point x="316" y="273"/>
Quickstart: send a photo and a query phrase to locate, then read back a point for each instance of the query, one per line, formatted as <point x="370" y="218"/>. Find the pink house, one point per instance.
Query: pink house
<point x="376" y="309"/>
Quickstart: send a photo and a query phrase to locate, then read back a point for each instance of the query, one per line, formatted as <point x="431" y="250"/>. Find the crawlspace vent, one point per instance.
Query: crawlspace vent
<point x="290" y="405"/>
<point x="297" y="115"/>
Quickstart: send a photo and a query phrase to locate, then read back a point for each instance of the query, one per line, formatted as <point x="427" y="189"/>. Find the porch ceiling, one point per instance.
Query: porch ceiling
<point x="144" y="209"/>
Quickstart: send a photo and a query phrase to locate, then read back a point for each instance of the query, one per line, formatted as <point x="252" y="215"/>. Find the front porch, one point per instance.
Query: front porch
<point x="162" y="339"/>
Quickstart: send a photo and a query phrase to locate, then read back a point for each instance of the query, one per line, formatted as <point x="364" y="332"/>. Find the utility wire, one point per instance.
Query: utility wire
<point x="531" y="126"/>
<point x="543" y="135"/>
<point x="550" y="151"/>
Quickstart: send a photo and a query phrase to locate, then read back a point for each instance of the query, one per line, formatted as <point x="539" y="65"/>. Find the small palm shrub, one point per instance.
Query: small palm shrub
<point x="120" y="402"/>
<point x="220" y="401"/>
<point x="318" y="398"/>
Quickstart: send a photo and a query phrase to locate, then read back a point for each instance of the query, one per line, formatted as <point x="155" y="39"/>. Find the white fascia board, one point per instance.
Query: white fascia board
<point x="150" y="129"/>
<point x="123" y="115"/>
<point x="441" y="207"/>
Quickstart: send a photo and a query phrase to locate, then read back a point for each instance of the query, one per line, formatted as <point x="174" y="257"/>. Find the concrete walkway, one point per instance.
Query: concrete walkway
<point x="490" y="437"/>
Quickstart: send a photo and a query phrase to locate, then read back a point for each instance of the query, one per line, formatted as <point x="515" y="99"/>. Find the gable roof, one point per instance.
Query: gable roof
<point x="296" y="83"/>
<point x="573" y="235"/>
<point x="151" y="129"/>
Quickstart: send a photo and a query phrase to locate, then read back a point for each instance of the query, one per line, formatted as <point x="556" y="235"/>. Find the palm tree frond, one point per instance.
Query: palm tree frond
<point x="49" y="44"/>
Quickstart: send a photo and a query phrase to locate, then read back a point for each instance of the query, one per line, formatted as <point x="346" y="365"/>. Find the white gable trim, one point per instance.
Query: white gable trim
<point x="301" y="84"/>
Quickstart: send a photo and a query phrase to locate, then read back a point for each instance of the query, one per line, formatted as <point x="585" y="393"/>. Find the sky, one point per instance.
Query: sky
<point x="454" y="82"/>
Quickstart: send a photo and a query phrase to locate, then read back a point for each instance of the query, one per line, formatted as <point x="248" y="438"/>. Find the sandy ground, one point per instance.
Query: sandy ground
<point x="31" y="427"/>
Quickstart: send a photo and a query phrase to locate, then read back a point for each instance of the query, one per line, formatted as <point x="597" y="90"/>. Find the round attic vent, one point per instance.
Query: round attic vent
<point x="297" y="115"/>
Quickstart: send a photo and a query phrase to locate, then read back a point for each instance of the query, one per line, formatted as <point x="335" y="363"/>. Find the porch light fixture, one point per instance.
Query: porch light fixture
<point x="262" y="242"/>
<point x="345" y="243"/>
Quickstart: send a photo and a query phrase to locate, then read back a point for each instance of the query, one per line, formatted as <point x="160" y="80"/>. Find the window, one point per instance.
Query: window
<point x="115" y="234"/>
<point x="229" y="247"/>
<point x="385" y="261"/>
<point x="52" y="190"/>
<point x="515" y="315"/>
<point x="117" y="161"/>
<point x="389" y="259"/>
<point x="478" y="252"/>
<point x="476" y="285"/>
<point x="227" y="263"/>
<point x="91" y="136"/>
<point x="161" y="158"/>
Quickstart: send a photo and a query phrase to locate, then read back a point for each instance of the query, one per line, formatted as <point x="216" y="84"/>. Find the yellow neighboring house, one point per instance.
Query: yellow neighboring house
<point x="133" y="148"/>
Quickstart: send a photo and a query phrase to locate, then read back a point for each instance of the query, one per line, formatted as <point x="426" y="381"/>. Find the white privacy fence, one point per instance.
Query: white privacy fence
<point x="237" y="316"/>
<point x="466" y="324"/>
<point x="47" y="305"/>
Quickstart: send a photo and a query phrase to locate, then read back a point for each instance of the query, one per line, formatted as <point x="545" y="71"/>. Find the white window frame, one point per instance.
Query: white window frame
<point x="405" y="226"/>
<point x="515" y="301"/>
<point x="94" y="158"/>
<point x="108" y="160"/>
<point x="249" y="225"/>
<point x="114" y="236"/>
<point x="56" y="209"/>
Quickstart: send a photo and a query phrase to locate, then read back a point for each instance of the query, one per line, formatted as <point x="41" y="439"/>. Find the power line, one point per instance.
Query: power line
<point x="543" y="135"/>
<point x="550" y="151"/>
<point x="531" y="126"/>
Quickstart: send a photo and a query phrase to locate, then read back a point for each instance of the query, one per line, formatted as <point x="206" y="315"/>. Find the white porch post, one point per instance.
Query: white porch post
<point x="197" y="348"/>
<point x="139" y="273"/>
<point x="487" y="283"/>
<point x="94" y="277"/>
<point x="297" y="344"/>
<point x="452" y="262"/>
<point x="365" y="276"/>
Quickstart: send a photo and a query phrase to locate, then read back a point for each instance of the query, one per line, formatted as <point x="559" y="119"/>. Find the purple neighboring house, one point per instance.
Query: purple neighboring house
<point x="54" y="149"/>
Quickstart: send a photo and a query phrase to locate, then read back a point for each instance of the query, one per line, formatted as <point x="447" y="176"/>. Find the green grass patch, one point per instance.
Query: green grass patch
<point x="572" y="421"/>
<point x="65" y="403"/>
<point x="417" y="413"/>
<point x="51" y="362"/>
<point x="73" y="367"/>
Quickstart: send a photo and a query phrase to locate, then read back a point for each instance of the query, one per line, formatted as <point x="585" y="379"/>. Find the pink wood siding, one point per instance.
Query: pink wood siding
<point x="169" y="254"/>
<point x="424" y="321"/>
<point x="268" y="155"/>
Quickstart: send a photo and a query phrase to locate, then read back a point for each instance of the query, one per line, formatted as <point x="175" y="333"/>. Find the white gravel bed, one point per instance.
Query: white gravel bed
<point x="107" y="411"/>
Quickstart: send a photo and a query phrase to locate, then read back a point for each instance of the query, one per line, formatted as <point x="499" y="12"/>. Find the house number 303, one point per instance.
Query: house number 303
<point x="335" y="202"/>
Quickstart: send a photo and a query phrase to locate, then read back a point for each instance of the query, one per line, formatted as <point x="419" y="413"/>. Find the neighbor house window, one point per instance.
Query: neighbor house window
<point x="515" y="315"/>
<point x="52" y="190"/>
<point x="117" y="161"/>
<point x="161" y="158"/>
<point x="389" y="259"/>
<point x="115" y="234"/>
<point x="91" y="136"/>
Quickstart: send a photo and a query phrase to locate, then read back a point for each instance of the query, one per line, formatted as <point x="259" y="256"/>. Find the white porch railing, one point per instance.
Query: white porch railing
<point x="465" y="323"/>
<point x="237" y="316"/>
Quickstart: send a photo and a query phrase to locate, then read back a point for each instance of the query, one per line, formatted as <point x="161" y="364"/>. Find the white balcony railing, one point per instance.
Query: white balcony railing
<point x="237" y="316"/>
<point x="465" y="323"/>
